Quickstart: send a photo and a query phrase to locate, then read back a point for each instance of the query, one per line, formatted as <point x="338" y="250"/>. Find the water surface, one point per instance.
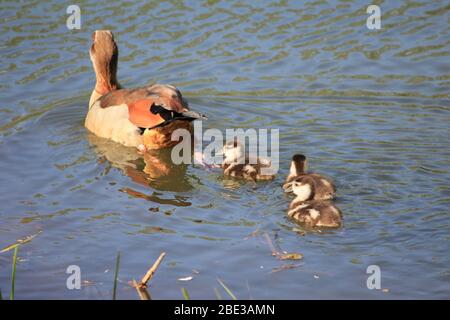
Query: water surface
<point x="368" y="107"/>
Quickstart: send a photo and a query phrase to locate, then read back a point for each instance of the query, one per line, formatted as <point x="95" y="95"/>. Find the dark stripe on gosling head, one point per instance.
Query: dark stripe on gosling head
<point x="298" y="167"/>
<point x="298" y="158"/>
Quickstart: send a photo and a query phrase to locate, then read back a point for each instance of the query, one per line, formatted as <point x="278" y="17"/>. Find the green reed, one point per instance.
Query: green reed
<point x="116" y="274"/>
<point x="13" y="274"/>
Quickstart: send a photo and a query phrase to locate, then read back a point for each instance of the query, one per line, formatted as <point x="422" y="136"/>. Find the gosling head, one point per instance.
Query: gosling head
<point x="302" y="188"/>
<point x="234" y="152"/>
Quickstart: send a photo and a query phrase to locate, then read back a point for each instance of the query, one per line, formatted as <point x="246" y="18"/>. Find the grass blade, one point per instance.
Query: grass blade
<point x="20" y="241"/>
<point x="13" y="274"/>
<point x="116" y="274"/>
<point x="227" y="290"/>
<point x="185" y="294"/>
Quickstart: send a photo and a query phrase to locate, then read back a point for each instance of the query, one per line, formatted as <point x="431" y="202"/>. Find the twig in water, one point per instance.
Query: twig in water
<point x="142" y="292"/>
<point x="227" y="290"/>
<point x="20" y="241"/>
<point x="271" y="246"/>
<point x="151" y="271"/>
<point x="252" y="234"/>
<point x="282" y="255"/>
<point x="285" y="267"/>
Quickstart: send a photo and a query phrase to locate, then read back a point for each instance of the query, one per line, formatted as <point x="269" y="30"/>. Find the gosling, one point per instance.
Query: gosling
<point x="313" y="213"/>
<point x="250" y="167"/>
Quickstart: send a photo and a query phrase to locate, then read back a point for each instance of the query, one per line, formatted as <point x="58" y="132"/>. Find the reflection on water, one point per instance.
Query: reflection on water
<point x="369" y="108"/>
<point x="154" y="169"/>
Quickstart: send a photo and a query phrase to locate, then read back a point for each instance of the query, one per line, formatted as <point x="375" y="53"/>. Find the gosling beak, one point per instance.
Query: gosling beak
<point x="287" y="187"/>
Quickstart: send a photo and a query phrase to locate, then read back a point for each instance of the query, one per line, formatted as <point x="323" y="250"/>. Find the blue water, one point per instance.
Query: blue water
<point x="369" y="108"/>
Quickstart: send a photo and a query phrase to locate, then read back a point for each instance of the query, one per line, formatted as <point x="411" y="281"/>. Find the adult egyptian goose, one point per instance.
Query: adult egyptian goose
<point x="309" y="186"/>
<point x="143" y="117"/>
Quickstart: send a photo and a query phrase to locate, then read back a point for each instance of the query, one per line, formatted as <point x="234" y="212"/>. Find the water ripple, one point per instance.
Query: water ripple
<point x="369" y="108"/>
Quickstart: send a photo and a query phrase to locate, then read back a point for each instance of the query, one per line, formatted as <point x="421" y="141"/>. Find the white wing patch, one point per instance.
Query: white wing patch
<point x="249" y="169"/>
<point x="314" y="213"/>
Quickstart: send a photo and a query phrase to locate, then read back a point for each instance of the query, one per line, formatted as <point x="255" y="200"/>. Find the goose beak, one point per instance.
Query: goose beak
<point x="287" y="187"/>
<point x="194" y="115"/>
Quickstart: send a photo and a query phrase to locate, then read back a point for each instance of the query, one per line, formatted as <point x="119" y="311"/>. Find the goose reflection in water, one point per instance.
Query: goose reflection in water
<point x="154" y="169"/>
